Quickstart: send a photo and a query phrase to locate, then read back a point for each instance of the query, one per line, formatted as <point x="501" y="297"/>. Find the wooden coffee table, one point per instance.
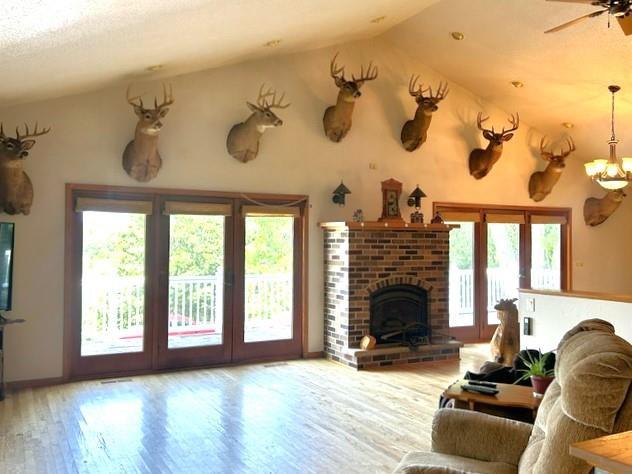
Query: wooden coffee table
<point x="512" y="401"/>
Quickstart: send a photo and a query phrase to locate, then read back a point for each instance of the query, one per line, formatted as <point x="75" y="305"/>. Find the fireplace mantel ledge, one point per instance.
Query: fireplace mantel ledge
<point x="385" y="226"/>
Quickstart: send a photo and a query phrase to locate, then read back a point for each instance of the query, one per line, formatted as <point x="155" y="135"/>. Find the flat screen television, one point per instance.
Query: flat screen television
<point x="6" y="265"/>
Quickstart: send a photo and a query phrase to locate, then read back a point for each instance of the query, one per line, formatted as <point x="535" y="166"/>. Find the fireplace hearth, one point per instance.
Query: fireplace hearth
<point x="390" y="281"/>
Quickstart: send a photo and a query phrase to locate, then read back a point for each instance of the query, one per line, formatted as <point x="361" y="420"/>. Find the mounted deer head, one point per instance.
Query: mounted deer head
<point x="482" y="161"/>
<point x="541" y="183"/>
<point x="597" y="211"/>
<point x="141" y="159"/>
<point x="243" y="139"/>
<point x="16" y="189"/>
<point x="415" y="131"/>
<point x="337" y="118"/>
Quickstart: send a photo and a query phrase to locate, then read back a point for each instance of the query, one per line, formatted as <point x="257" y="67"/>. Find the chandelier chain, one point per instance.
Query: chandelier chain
<point x="613" y="138"/>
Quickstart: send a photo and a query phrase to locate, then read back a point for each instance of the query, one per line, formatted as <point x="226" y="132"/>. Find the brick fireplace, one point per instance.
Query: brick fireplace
<point x="367" y="262"/>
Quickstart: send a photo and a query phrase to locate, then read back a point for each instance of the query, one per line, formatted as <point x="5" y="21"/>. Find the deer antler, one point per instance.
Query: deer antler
<point x="278" y="104"/>
<point x="442" y="92"/>
<point x="412" y="87"/>
<point x="262" y="101"/>
<point x="338" y="73"/>
<point x="371" y="74"/>
<point x="571" y="147"/>
<point x="546" y="155"/>
<point x="137" y="101"/>
<point x="167" y="98"/>
<point x="28" y="134"/>
<point x="132" y="100"/>
<point x="479" y="123"/>
<point x="2" y="135"/>
<point x="515" y="123"/>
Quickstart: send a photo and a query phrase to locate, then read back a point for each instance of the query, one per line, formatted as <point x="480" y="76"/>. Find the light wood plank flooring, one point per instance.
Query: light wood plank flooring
<point x="297" y="417"/>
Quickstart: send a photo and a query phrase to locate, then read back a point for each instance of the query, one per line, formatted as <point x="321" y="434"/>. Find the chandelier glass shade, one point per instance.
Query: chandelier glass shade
<point x="611" y="173"/>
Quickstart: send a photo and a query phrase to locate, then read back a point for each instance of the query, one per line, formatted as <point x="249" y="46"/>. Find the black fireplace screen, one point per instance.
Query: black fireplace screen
<point x="399" y="313"/>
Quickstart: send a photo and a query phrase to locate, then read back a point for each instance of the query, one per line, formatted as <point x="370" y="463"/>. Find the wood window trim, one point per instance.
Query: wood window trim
<point x="267" y="211"/>
<point x="197" y="208"/>
<point x="86" y="204"/>
<point x="528" y="211"/>
<point x="152" y="194"/>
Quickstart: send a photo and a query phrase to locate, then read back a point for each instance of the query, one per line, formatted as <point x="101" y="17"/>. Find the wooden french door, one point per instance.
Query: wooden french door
<point x="161" y="279"/>
<point x="195" y="297"/>
<point x="280" y="287"/>
<point x="495" y="251"/>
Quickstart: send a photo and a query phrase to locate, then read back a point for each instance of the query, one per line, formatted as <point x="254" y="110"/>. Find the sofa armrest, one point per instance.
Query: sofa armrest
<point x="478" y="435"/>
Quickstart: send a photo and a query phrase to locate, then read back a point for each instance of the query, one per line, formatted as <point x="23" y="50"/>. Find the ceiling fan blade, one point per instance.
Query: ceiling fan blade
<point x="576" y="20"/>
<point x="625" y="22"/>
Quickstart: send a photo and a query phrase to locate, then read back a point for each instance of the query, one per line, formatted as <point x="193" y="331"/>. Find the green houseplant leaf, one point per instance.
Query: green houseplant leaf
<point x="536" y="366"/>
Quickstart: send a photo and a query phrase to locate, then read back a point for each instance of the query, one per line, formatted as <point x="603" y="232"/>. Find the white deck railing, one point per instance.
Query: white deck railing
<point x="115" y="306"/>
<point x="501" y="283"/>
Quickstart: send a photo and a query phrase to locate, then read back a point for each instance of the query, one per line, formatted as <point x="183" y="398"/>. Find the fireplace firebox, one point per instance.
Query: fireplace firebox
<point x="399" y="313"/>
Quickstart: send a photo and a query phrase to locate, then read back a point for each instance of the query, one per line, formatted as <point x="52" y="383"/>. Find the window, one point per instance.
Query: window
<point x="495" y="251"/>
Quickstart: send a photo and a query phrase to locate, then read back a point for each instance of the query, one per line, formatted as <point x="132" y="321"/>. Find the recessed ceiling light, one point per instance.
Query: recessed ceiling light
<point x="154" y="68"/>
<point x="378" y="19"/>
<point x="517" y="84"/>
<point x="457" y="35"/>
<point x="272" y="43"/>
<point x="568" y="124"/>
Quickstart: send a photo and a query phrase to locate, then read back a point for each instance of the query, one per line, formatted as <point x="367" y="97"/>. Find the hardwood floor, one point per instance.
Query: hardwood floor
<point x="297" y="417"/>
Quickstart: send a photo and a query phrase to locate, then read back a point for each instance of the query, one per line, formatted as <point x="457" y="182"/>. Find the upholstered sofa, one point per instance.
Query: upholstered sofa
<point x="590" y="397"/>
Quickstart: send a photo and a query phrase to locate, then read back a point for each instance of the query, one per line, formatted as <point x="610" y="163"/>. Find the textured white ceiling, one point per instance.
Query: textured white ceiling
<point x="51" y="48"/>
<point x="566" y="74"/>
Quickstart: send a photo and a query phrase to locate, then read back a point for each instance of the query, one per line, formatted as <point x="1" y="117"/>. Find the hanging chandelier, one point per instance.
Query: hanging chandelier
<point x="610" y="173"/>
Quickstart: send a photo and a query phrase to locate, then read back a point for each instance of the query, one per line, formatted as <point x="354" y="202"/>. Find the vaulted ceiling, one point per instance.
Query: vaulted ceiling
<point x="50" y="48"/>
<point x="565" y="74"/>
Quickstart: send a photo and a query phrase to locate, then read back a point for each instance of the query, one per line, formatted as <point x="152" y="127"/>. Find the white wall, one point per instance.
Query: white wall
<point x="553" y="315"/>
<point x="90" y="132"/>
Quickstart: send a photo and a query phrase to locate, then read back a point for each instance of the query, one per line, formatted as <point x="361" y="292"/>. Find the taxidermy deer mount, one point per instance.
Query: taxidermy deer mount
<point x="141" y="159"/>
<point x="415" y="131"/>
<point x="541" y="183"/>
<point x="597" y="211"/>
<point x="337" y="118"/>
<point x="243" y="139"/>
<point x="16" y="189"/>
<point x="482" y="161"/>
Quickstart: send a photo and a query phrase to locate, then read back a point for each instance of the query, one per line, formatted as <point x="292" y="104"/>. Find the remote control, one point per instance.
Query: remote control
<point x="480" y="389"/>
<point x="482" y="383"/>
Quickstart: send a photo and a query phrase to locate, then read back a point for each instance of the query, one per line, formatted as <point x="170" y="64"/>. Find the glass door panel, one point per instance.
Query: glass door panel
<point x="196" y="281"/>
<point x="462" y="275"/>
<point x="112" y="283"/>
<point x="503" y="265"/>
<point x="268" y="278"/>
<point x="546" y="256"/>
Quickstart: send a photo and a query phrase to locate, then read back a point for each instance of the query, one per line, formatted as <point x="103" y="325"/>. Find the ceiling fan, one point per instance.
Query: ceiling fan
<point x="620" y="9"/>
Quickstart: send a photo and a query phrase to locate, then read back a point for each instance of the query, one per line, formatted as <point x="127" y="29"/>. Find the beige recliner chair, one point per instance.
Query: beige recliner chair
<point x="590" y="397"/>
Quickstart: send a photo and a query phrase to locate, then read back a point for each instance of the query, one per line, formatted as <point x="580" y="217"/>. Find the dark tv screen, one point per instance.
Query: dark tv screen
<point x="6" y="265"/>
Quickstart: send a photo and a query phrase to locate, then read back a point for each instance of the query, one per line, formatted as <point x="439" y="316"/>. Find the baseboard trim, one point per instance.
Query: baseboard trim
<point x="313" y="355"/>
<point x="34" y="383"/>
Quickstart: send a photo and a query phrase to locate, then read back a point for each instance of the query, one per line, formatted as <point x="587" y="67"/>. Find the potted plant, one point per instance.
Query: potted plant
<point x="536" y="369"/>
